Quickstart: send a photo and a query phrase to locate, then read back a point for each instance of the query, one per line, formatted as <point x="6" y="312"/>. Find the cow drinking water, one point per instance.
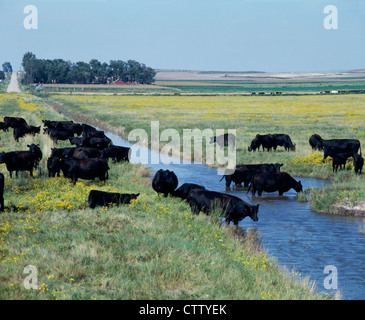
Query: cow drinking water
<point x="234" y="208"/>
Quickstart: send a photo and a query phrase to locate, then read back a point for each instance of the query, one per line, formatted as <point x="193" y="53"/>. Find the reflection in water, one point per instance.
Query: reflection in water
<point x="291" y="232"/>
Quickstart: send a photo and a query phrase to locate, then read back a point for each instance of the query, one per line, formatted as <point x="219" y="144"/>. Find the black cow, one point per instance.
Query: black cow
<point x="245" y="172"/>
<point x="316" y="142"/>
<point x="256" y="143"/>
<point x="165" y="182"/>
<point x="75" y="128"/>
<point x="59" y="133"/>
<point x="334" y="146"/>
<point x="358" y="163"/>
<point x="268" y="142"/>
<point x="227" y="139"/>
<point x="184" y="190"/>
<point x="89" y="132"/>
<point x="13" y="122"/>
<point x="63" y="152"/>
<point x="76" y="141"/>
<point x="21" y="131"/>
<point x="271" y="182"/>
<point x="22" y="160"/>
<point x="96" y="142"/>
<point x="86" y="153"/>
<point x="2" y="183"/>
<point x="2" y="126"/>
<point x="102" y="198"/>
<point x="234" y="209"/>
<point x="57" y="124"/>
<point x="340" y="160"/>
<point x="54" y="166"/>
<point x="117" y="153"/>
<point x="271" y="141"/>
<point x="283" y="140"/>
<point x="87" y="169"/>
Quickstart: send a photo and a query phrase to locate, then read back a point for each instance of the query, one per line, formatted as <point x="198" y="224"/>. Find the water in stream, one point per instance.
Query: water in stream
<point x="297" y="237"/>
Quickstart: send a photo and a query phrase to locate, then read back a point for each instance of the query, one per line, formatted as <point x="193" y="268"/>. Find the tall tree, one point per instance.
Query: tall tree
<point x="7" y="67"/>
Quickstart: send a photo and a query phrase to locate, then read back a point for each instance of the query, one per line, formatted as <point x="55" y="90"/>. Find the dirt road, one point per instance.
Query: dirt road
<point x="13" y="85"/>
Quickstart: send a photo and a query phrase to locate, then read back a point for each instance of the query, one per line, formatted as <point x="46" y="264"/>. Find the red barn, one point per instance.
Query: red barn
<point x="120" y="82"/>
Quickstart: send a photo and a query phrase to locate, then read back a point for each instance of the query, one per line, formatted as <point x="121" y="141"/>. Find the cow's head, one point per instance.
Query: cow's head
<point x="293" y="147"/>
<point x="278" y="166"/>
<point x="2" y="154"/>
<point x="53" y="165"/>
<point x="298" y="187"/>
<point x="255" y="143"/>
<point x="252" y="212"/>
<point x="35" y="150"/>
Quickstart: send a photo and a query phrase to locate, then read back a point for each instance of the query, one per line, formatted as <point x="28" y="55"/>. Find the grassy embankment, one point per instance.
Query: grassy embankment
<point x="337" y="116"/>
<point x="152" y="249"/>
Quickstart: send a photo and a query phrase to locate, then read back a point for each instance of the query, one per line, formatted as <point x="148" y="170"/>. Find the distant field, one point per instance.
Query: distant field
<point x="272" y="86"/>
<point x="249" y="87"/>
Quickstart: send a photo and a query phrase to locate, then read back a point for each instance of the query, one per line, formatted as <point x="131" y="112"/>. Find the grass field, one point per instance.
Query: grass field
<point x="152" y="249"/>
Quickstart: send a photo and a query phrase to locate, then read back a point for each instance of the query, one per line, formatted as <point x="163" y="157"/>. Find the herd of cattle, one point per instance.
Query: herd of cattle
<point x="256" y="177"/>
<point x="88" y="159"/>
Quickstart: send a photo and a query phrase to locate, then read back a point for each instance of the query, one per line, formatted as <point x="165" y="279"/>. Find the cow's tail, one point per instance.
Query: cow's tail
<point x="360" y="149"/>
<point x="222" y="178"/>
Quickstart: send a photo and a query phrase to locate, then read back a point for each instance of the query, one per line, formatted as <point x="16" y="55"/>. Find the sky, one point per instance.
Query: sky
<point x="209" y="35"/>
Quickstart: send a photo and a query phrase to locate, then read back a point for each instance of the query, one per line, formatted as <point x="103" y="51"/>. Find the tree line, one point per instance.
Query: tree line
<point x="94" y="72"/>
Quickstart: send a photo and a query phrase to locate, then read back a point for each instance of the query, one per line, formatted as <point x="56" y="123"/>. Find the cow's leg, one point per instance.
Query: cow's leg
<point x="253" y="190"/>
<point x="194" y="209"/>
<point x="324" y="157"/>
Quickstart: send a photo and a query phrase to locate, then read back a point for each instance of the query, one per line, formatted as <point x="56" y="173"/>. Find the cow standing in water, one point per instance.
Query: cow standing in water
<point x="234" y="208"/>
<point x="271" y="182"/>
<point x="245" y="172"/>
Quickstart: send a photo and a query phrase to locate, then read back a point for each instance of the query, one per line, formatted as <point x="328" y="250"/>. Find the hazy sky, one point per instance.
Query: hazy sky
<point x="226" y="35"/>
